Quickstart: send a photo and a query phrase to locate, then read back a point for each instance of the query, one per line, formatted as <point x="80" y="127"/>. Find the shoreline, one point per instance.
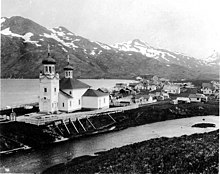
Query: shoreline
<point x="91" y="164"/>
<point x="129" y="118"/>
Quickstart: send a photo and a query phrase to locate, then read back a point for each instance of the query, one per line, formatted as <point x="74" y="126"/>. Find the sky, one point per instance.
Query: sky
<point x="187" y="26"/>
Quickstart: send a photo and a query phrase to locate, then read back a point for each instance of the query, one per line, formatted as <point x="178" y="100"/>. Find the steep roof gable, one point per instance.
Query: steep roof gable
<point x="65" y="94"/>
<point x="72" y="83"/>
<point x="94" y="93"/>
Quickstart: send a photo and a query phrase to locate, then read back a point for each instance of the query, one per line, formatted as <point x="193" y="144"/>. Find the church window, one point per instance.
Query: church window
<point x="45" y="89"/>
<point x="50" y="69"/>
<point x="63" y="104"/>
<point x="44" y="98"/>
<point x="79" y="101"/>
<point x="70" y="92"/>
<point x="66" y="74"/>
<point x="46" y="69"/>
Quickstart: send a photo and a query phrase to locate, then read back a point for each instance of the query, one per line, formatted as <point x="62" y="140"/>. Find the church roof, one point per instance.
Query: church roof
<point x="94" y="93"/>
<point x="72" y="83"/>
<point x="65" y="94"/>
<point x="48" y="60"/>
<point x="68" y="67"/>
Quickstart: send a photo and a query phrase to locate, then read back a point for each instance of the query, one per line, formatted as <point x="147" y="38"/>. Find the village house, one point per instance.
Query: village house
<point x="172" y="89"/>
<point x="143" y="99"/>
<point x="124" y="101"/>
<point x="183" y="99"/>
<point x="207" y="88"/>
<point x="149" y="77"/>
<point x="104" y="90"/>
<point x="216" y="85"/>
<point x="139" y="78"/>
<point x="198" y="98"/>
<point x="151" y="87"/>
<point x="164" y="80"/>
<point x="121" y="85"/>
<point x="137" y="86"/>
<point x="94" y="99"/>
<point x="162" y="95"/>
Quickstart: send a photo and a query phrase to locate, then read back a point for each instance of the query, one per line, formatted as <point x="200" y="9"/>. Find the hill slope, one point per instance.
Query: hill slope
<point x="24" y="45"/>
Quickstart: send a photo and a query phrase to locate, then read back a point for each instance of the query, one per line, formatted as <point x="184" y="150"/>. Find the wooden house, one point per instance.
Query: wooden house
<point x="172" y="89"/>
<point x="198" y="98"/>
<point x="94" y="99"/>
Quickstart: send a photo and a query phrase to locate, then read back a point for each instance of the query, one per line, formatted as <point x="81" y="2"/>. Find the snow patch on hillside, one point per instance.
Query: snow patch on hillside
<point x="105" y="46"/>
<point x="9" y="33"/>
<point x="92" y="52"/>
<point x="2" y="20"/>
<point x="55" y="37"/>
<point x="70" y="34"/>
<point x="76" y="40"/>
<point x="26" y="37"/>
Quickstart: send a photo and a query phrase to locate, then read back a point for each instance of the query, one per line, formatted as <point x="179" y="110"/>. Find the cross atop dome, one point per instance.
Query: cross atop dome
<point x="48" y="50"/>
<point x="49" y="60"/>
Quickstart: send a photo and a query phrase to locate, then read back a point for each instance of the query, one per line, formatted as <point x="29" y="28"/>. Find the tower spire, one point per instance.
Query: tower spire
<point x="48" y="49"/>
<point x="68" y="59"/>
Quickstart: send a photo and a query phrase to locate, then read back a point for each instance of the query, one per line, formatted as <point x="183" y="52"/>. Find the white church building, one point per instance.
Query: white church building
<point x="67" y="94"/>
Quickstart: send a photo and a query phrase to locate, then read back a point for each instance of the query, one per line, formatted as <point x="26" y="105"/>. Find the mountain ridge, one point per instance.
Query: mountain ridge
<point x="24" y="45"/>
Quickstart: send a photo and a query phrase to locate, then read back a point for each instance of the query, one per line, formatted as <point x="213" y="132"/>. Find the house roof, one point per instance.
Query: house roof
<point x="142" y="96"/>
<point x="94" y="93"/>
<point x="206" y="85"/>
<point x="197" y="96"/>
<point x="133" y="84"/>
<point x="72" y="83"/>
<point x="65" y="94"/>
<point x="138" y="96"/>
<point x="105" y="90"/>
<point x="170" y="87"/>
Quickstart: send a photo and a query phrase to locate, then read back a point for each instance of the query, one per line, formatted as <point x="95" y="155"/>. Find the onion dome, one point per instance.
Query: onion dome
<point x="48" y="60"/>
<point x="68" y="67"/>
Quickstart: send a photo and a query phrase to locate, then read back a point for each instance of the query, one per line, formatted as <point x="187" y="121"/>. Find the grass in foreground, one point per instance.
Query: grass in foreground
<point x="197" y="153"/>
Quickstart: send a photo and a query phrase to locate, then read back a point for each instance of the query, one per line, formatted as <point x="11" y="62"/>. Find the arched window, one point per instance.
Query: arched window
<point x="50" y="71"/>
<point x="46" y="69"/>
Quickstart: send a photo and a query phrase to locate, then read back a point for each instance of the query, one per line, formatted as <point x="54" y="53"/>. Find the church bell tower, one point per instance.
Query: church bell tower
<point x="49" y="86"/>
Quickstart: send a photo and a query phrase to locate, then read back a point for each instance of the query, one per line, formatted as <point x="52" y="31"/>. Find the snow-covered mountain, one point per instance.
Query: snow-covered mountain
<point x="24" y="45"/>
<point x="213" y="59"/>
<point x="162" y="55"/>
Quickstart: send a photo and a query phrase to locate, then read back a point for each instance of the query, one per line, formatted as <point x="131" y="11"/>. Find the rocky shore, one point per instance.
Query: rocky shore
<point x="197" y="153"/>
